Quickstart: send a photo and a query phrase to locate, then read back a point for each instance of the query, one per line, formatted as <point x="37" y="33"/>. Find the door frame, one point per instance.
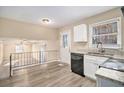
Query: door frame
<point x="69" y="43"/>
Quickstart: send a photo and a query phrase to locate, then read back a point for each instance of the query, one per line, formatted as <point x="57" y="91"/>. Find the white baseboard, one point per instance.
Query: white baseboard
<point x="52" y="61"/>
<point x="65" y="62"/>
<point x="25" y="66"/>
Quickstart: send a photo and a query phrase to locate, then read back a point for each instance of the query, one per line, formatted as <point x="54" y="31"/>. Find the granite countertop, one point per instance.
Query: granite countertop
<point x="85" y="52"/>
<point x="80" y="52"/>
<point x="118" y="56"/>
<point x="113" y="75"/>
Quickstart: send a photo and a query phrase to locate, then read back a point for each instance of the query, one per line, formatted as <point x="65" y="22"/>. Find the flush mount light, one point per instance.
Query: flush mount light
<point x="46" y="21"/>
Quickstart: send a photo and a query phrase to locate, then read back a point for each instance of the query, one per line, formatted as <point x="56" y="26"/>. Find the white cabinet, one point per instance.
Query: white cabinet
<point x="80" y="33"/>
<point x="89" y="69"/>
<point x="91" y="64"/>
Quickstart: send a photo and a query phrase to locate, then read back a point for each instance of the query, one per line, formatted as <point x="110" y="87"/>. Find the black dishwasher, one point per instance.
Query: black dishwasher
<point x="77" y="63"/>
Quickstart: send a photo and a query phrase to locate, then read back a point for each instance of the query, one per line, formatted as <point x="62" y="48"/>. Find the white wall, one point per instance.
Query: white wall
<point x="15" y="29"/>
<point x="50" y="47"/>
<point x="9" y="46"/>
<point x="21" y="30"/>
<point x="94" y="19"/>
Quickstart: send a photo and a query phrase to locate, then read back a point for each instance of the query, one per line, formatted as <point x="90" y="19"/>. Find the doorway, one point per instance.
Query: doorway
<point x="65" y="43"/>
<point x="42" y="54"/>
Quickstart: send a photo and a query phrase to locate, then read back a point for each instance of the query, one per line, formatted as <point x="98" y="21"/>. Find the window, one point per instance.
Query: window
<point x="107" y="32"/>
<point x="65" y="40"/>
<point x="42" y="55"/>
<point x="19" y="48"/>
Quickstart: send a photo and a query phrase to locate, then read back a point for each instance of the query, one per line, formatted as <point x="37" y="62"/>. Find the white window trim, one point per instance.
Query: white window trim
<point x="17" y="51"/>
<point x="67" y="40"/>
<point x="119" y="37"/>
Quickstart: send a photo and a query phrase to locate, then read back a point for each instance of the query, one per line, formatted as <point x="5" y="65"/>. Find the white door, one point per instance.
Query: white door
<point x="65" y="41"/>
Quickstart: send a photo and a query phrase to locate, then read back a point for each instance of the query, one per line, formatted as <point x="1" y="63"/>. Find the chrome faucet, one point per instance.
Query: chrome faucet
<point x="101" y="50"/>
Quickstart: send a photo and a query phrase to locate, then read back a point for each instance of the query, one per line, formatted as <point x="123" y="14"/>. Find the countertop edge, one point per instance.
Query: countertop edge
<point x="99" y="71"/>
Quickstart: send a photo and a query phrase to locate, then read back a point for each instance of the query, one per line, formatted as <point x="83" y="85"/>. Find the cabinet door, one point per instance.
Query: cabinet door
<point x="91" y="64"/>
<point x="80" y="33"/>
<point x="90" y="69"/>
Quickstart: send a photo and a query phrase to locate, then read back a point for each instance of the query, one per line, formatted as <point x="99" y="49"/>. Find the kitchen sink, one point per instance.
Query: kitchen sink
<point x="111" y="64"/>
<point x="115" y="64"/>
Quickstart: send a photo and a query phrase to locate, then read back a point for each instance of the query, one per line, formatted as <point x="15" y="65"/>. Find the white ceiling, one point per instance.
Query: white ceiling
<point x="60" y="15"/>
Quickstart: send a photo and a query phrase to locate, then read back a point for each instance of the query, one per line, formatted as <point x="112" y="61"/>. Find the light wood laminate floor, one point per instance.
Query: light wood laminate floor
<point x="47" y="75"/>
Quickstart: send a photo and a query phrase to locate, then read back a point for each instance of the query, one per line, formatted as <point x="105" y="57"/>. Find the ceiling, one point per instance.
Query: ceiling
<point x="60" y="15"/>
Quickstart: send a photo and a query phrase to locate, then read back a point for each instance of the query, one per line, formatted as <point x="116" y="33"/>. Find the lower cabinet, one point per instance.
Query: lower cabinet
<point x="104" y="82"/>
<point x="91" y="65"/>
<point x="90" y="69"/>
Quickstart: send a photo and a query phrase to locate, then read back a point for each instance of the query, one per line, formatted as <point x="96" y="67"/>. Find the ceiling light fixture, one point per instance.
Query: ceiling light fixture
<point x="46" y="21"/>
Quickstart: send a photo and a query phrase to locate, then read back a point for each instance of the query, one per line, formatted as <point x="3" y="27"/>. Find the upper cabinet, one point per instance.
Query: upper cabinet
<point x="108" y="32"/>
<point x="80" y="33"/>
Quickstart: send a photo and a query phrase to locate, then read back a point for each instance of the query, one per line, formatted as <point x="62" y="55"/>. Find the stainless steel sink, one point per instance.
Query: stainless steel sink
<point x="115" y="64"/>
<point x="111" y="65"/>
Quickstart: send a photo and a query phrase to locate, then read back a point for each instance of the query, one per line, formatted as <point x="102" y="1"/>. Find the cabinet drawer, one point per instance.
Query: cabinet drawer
<point x="91" y="64"/>
<point x="94" y="59"/>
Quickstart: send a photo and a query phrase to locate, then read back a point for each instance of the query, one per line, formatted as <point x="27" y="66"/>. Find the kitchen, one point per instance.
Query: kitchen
<point x="82" y="53"/>
<point x="102" y="56"/>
